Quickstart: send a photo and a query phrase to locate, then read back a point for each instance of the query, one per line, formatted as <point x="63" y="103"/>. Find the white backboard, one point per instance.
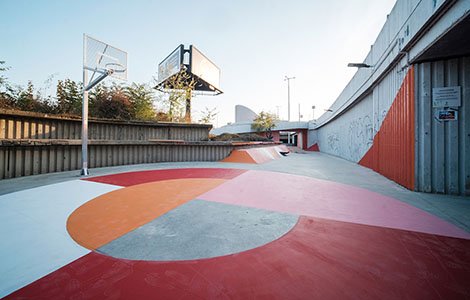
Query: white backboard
<point x="99" y="57"/>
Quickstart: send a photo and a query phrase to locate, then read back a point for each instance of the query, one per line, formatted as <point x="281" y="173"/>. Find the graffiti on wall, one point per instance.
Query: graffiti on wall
<point x="349" y="140"/>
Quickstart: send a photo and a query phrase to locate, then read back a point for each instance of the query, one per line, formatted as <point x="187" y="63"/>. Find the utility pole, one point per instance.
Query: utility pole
<point x="277" y="109"/>
<point x="288" y="79"/>
<point x="300" y="116"/>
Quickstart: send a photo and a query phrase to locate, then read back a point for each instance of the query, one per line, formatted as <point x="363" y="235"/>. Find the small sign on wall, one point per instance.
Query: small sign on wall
<point x="446" y="96"/>
<point x="447" y="115"/>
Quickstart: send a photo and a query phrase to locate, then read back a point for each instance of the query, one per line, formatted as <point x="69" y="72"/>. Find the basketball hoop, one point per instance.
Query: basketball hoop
<point x="113" y="67"/>
<point x="106" y="60"/>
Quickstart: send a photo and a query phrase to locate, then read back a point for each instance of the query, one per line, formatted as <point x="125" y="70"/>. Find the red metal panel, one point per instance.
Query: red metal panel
<point x="314" y="147"/>
<point x="392" y="153"/>
<point x="304" y="133"/>
<point x="276" y="136"/>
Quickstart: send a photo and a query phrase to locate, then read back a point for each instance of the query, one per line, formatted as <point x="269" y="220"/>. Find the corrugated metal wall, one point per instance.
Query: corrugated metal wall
<point x="385" y="92"/>
<point x="24" y="125"/>
<point x="443" y="148"/>
<point x="32" y="143"/>
<point x="32" y="159"/>
<point x="392" y="153"/>
<point x="351" y="135"/>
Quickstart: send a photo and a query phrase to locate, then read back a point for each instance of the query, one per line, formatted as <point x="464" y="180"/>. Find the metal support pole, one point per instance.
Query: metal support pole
<point x="288" y="100"/>
<point x="85" y="135"/>
<point x="299" y="113"/>
<point x="288" y="95"/>
<point x="187" y="116"/>
<point x="84" y="171"/>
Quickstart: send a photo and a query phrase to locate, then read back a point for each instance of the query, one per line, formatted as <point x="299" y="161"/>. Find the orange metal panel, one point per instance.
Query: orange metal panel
<point x="239" y="156"/>
<point x="392" y="153"/>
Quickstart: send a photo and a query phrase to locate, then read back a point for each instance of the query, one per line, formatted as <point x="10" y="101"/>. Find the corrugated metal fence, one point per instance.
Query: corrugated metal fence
<point x="33" y="144"/>
<point x="392" y="152"/>
<point x="443" y="147"/>
<point x="25" y="125"/>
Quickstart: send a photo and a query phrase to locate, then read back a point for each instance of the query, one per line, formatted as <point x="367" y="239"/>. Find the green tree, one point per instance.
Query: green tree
<point x="3" y="79"/>
<point x="141" y="97"/>
<point x="69" y="97"/>
<point x="162" y="116"/>
<point x="176" y="95"/>
<point x="110" y="103"/>
<point x="265" y="122"/>
<point x="6" y="98"/>
<point x="29" y="100"/>
<point x="26" y="99"/>
<point x="208" y="115"/>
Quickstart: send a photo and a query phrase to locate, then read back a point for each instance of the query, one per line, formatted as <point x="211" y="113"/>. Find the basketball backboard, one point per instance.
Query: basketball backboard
<point x="100" y="57"/>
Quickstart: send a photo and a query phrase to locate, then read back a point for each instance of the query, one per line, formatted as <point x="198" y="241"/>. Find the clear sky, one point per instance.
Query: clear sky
<point x="255" y="43"/>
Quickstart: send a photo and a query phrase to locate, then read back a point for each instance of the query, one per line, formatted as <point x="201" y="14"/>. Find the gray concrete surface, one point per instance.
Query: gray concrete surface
<point x="201" y="229"/>
<point x="455" y="209"/>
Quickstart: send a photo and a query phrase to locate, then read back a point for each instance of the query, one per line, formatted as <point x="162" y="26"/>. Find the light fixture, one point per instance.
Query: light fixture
<point x="359" y="65"/>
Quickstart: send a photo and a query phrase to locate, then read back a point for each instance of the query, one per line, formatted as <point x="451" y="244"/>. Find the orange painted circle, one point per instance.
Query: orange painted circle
<point x="112" y="215"/>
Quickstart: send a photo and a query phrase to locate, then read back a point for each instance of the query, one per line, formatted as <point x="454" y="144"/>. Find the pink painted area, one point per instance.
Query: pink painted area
<point x="262" y="155"/>
<point x="256" y="155"/>
<point x="328" y="200"/>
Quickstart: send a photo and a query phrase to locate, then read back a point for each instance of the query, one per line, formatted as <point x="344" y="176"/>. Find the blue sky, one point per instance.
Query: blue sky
<point x="254" y="43"/>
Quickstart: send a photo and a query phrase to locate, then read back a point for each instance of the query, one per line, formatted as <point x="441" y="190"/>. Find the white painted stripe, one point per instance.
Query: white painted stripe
<point x="35" y="241"/>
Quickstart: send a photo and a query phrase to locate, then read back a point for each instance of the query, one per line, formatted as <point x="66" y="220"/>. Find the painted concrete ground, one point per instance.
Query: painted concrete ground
<point x="218" y="233"/>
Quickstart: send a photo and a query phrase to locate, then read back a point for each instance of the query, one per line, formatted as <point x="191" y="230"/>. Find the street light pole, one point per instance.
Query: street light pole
<point x="313" y="112"/>
<point x="288" y="95"/>
<point x="300" y="116"/>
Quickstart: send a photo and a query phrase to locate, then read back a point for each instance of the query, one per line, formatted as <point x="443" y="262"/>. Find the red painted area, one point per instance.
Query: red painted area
<point x="318" y="259"/>
<point x="314" y="147"/>
<point x="139" y="177"/>
<point x="392" y="153"/>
